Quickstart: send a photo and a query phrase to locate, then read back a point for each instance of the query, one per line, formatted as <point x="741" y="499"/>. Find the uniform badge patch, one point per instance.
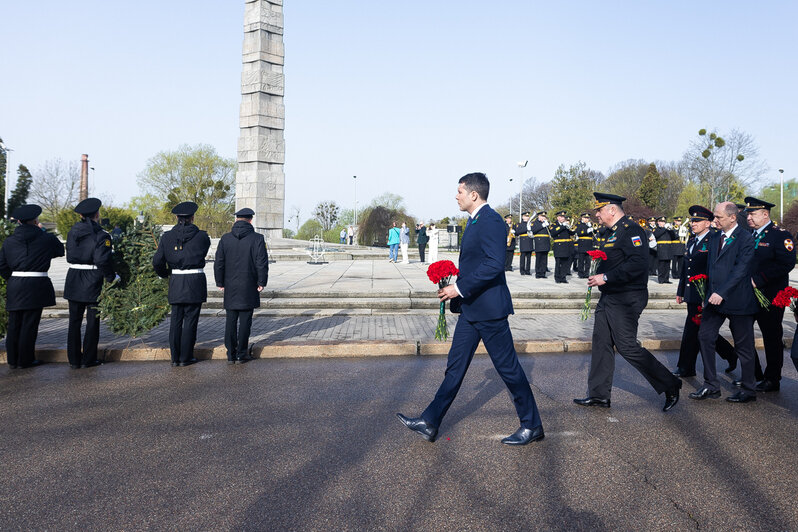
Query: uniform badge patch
<point x="637" y="241"/>
<point x="788" y="244"/>
<point x="108" y="243"/>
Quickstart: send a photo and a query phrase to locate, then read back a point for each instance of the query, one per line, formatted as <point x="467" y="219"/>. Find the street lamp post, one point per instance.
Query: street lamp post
<point x="521" y="166"/>
<point x="6" y="149"/>
<point x="354" y="177"/>
<point x="781" y="205"/>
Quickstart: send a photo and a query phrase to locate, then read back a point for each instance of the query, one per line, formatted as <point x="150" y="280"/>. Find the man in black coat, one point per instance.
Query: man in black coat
<point x="664" y="240"/>
<point x="88" y="252"/>
<point x="526" y="244"/>
<point x="563" y="244"/>
<point x="677" y="247"/>
<point x="652" y="250"/>
<point x="241" y="270"/>
<point x="421" y="240"/>
<point x="540" y="233"/>
<point x="181" y="257"/>
<point x="695" y="263"/>
<point x="584" y="243"/>
<point x="729" y="295"/>
<point x="24" y="260"/>
<point x="774" y="259"/>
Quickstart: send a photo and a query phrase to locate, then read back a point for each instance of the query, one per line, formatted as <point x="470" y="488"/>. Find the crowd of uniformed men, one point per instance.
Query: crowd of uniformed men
<point x="764" y="256"/>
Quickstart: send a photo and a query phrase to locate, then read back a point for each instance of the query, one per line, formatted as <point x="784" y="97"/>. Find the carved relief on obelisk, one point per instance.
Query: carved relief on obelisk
<point x="260" y="181"/>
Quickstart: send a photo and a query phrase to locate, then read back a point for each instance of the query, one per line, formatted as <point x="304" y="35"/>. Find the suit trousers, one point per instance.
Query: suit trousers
<point x="688" y="351"/>
<point x="183" y="331"/>
<point x="742" y="329"/>
<point x="562" y="267"/>
<point x="23" y="328"/>
<point x="770" y="323"/>
<point x="421" y="248"/>
<point x="583" y="264"/>
<point x="90" y="338"/>
<point x="541" y="258"/>
<point x="236" y="333"/>
<point x="508" y="260"/>
<point x="615" y="325"/>
<point x="794" y="349"/>
<point x="525" y="263"/>
<point x="498" y="340"/>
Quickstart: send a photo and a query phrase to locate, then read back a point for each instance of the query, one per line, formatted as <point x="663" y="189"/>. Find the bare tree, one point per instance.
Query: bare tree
<point x="56" y="185"/>
<point x="326" y="213"/>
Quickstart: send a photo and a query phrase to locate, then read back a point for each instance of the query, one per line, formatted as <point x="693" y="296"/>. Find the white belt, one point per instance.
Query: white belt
<point x="83" y="266"/>
<point x="187" y="272"/>
<point x="28" y="274"/>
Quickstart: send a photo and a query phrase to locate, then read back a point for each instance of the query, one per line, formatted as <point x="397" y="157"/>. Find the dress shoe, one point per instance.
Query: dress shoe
<point x="738" y="383"/>
<point x="732" y="366"/>
<point x="231" y="362"/>
<point x="31" y="365"/>
<point x="12" y="366"/>
<point x="522" y="436"/>
<point x="741" y="397"/>
<point x="188" y="362"/>
<point x="91" y="364"/>
<point x="682" y="373"/>
<point x="175" y="364"/>
<point x="416" y="424"/>
<point x="768" y="385"/>
<point x="671" y="398"/>
<point x="593" y="401"/>
<point x="74" y="366"/>
<point x="705" y="393"/>
<point x="243" y="360"/>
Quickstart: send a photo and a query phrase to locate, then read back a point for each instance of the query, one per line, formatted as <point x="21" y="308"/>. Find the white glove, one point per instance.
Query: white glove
<point x="545" y="224"/>
<point x="668" y="226"/>
<point x="589" y="229"/>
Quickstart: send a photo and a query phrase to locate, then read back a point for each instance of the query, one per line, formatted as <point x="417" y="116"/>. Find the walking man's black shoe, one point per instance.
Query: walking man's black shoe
<point x="522" y="436"/>
<point x="416" y="424"/>
<point x="768" y="386"/>
<point x="705" y="393"/>
<point x="741" y="397"/>
<point x="593" y="401"/>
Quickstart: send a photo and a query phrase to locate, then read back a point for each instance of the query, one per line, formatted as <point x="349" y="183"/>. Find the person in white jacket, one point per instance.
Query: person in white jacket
<point x="432" y="233"/>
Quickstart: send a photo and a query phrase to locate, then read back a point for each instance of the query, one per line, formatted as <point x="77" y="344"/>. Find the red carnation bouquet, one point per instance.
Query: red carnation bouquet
<point x="697" y="317"/>
<point x="786" y="298"/>
<point x="441" y="273"/>
<point x="596" y="256"/>
<point x="700" y="283"/>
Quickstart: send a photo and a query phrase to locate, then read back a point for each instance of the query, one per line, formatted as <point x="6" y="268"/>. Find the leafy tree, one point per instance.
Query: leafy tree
<point x="198" y="174"/>
<point x="56" y="186"/>
<point x="389" y="200"/>
<point x="690" y="195"/>
<point x="572" y="188"/>
<point x="772" y="194"/>
<point x="626" y="177"/>
<point x="652" y="188"/>
<point x="64" y="221"/>
<point x="326" y="213"/>
<point x="140" y="301"/>
<point x="310" y="229"/>
<point x="20" y="194"/>
<point x="152" y="206"/>
<point x="376" y="223"/>
<point x="790" y="221"/>
<point x="287" y="233"/>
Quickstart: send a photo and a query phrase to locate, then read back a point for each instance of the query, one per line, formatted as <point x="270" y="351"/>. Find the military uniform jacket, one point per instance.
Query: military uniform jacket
<point x="677" y="246"/>
<point x="240" y="266"/>
<point x="584" y="235"/>
<point x="541" y="236"/>
<point x="183" y="248"/>
<point x="695" y="263"/>
<point x="510" y="242"/>
<point x="664" y="238"/>
<point x="87" y="243"/>
<point x="561" y="239"/>
<point x="526" y="243"/>
<point x="774" y="259"/>
<point x="29" y="249"/>
<point x="626" y="266"/>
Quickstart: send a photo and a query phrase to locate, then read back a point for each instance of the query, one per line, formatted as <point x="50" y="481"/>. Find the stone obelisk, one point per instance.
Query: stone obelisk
<point x="260" y="181"/>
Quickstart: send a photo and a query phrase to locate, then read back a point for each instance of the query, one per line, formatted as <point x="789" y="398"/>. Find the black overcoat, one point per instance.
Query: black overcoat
<point x="29" y="249"/>
<point x="183" y="248"/>
<point x="240" y="266"/>
<point x="87" y="243"/>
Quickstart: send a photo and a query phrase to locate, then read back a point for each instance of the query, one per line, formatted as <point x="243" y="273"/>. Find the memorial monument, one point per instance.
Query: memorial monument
<point x="260" y="180"/>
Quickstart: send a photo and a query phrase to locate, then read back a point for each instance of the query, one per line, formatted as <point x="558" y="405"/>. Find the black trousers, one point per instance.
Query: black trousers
<point x="662" y="271"/>
<point x="525" y="263"/>
<point x="583" y="264"/>
<point x="615" y="326"/>
<point x="689" y="349"/>
<point x="508" y="260"/>
<point x="421" y="248"/>
<point x="676" y="266"/>
<point x="562" y="267"/>
<point x="742" y="329"/>
<point x="23" y="328"/>
<point x="498" y="341"/>
<point x="183" y="331"/>
<point x="236" y="333"/>
<point x="541" y="258"/>
<point x="770" y="323"/>
<point x="652" y="264"/>
<point x="91" y="337"/>
<point x="794" y="349"/>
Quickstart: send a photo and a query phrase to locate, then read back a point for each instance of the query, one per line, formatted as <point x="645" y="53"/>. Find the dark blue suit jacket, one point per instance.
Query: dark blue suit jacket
<point x="481" y="281"/>
<point x="730" y="272"/>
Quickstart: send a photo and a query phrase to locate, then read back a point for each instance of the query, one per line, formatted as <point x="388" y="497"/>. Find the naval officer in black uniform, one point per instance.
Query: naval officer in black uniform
<point x="526" y="245"/>
<point x="540" y="234"/>
<point x="88" y="252"/>
<point x="695" y="263"/>
<point x="774" y="259"/>
<point x="241" y="270"/>
<point x="24" y="260"/>
<point x="563" y="244"/>
<point x="584" y="243"/>
<point x="622" y="279"/>
<point x="181" y="257"/>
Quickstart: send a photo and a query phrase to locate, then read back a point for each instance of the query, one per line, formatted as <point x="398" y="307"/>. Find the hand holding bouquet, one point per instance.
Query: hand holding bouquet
<point x="441" y="273"/>
<point x="596" y="256"/>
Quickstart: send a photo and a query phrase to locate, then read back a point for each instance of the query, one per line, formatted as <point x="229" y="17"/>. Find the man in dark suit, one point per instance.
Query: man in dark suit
<point x="181" y="257"/>
<point x="241" y="270"/>
<point x="695" y="263"/>
<point x="421" y="240"/>
<point x="623" y="282"/>
<point x="540" y="232"/>
<point x="484" y="300"/>
<point x="774" y="259"/>
<point x="730" y="295"/>
<point x="24" y="260"/>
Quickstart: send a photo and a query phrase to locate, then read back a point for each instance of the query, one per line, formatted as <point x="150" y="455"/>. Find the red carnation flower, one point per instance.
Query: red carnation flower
<point x="699" y="277"/>
<point x="597" y="254"/>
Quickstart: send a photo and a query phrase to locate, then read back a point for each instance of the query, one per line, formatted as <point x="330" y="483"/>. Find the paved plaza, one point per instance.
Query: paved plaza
<point x="314" y="445"/>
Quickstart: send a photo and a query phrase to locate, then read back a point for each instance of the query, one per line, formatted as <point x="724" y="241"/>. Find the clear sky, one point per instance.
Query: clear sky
<point x="407" y="95"/>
